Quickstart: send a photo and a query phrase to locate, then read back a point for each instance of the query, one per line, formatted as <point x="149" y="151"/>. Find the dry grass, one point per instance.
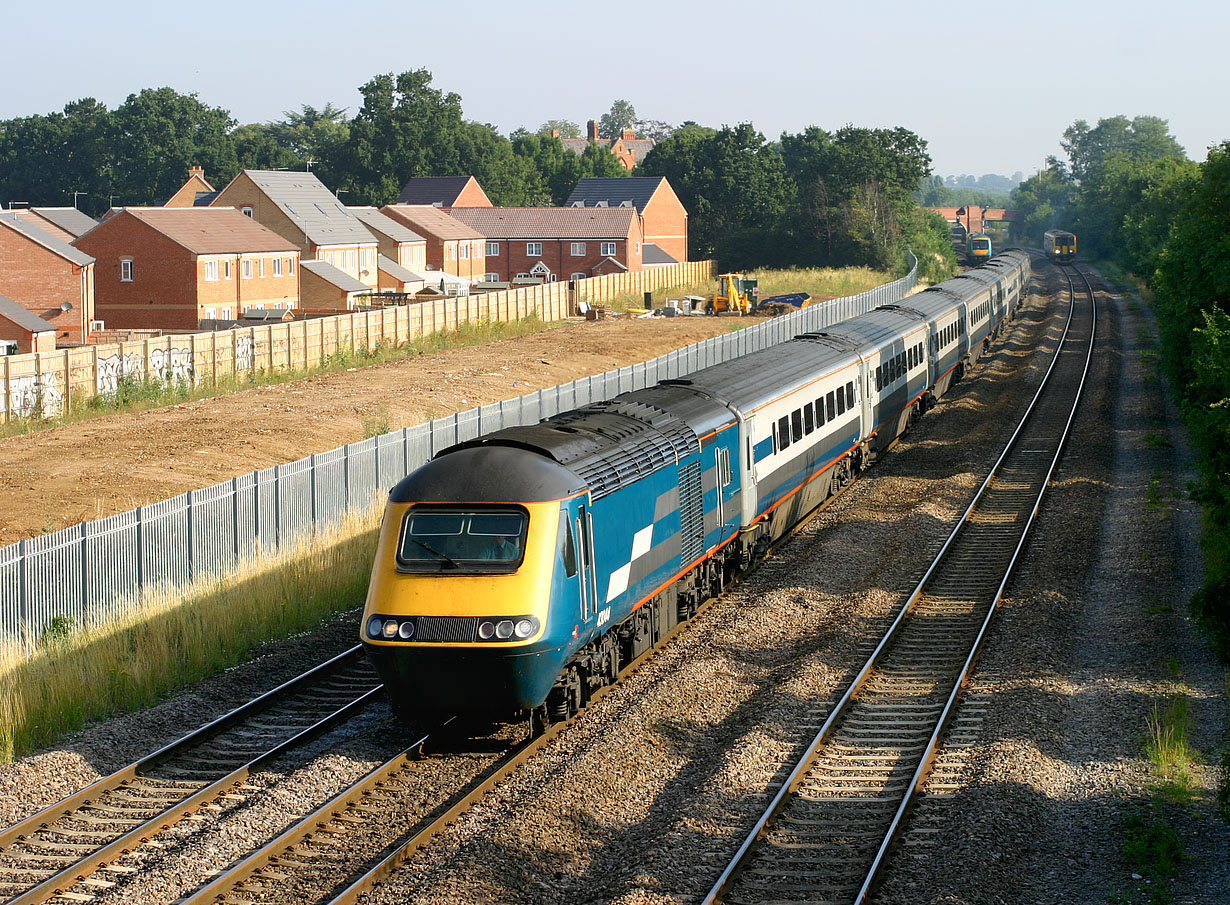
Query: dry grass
<point x="825" y="283"/>
<point x="178" y="638"/>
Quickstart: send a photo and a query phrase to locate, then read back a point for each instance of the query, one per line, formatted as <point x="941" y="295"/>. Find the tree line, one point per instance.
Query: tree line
<point x="1132" y="196"/>
<point x="812" y="199"/>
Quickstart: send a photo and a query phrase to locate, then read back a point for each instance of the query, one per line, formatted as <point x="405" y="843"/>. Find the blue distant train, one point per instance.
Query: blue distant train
<point x="519" y="571"/>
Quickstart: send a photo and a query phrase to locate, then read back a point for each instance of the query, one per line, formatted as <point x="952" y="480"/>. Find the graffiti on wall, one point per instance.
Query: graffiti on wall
<point x="243" y="353"/>
<point x="35" y="395"/>
<point x="172" y="365"/>
<point x="114" y="368"/>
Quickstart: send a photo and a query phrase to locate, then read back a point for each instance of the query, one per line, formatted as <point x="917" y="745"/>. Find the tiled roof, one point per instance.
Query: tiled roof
<point x="331" y="274"/>
<point x="45" y="225"/>
<point x="26" y="320"/>
<point x="427" y="219"/>
<point x="433" y="190"/>
<point x="204" y="199"/>
<point x="68" y="219"/>
<point x="396" y="271"/>
<point x="548" y="222"/>
<point x="211" y="230"/>
<point x="615" y="190"/>
<point x="312" y="207"/>
<point x="385" y="225"/>
<point x="48" y="241"/>
<point x="652" y="255"/>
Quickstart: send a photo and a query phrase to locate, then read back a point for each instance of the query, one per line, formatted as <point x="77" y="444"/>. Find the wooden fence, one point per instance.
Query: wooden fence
<point x="50" y="383"/>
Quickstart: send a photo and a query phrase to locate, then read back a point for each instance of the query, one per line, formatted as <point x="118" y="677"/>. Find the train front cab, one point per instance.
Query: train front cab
<point x="472" y="554"/>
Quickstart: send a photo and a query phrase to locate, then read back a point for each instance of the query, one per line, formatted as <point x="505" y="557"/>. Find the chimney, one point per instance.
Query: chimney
<point x="196" y="171"/>
<point x="628" y="134"/>
<point x="593" y="130"/>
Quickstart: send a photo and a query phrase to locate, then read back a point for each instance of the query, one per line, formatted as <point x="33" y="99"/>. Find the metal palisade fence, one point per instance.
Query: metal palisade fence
<point x="96" y="570"/>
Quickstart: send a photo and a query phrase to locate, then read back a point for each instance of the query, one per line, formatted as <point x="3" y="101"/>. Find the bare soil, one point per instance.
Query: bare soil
<point x="55" y="478"/>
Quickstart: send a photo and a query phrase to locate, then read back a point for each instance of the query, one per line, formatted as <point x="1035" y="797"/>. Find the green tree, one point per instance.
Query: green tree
<point x="1045" y="201"/>
<point x="621" y="116"/>
<point x="257" y="148"/>
<point x="156" y="135"/>
<point x="566" y="128"/>
<point x="311" y="134"/>
<point x="1142" y="138"/>
<point x="45" y="159"/>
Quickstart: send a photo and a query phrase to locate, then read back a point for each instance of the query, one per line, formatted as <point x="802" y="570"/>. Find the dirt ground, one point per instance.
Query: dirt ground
<point x="55" y="478"/>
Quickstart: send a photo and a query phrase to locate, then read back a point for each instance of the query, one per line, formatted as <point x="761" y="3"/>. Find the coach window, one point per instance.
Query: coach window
<point x="841" y="402"/>
<point x="850" y="394"/>
<point x="567" y="547"/>
<point x="796" y="426"/>
<point x="783" y="432"/>
<point x="831" y="405"/>
<point x="809" y="419"/>
<point x="820" y="412"/>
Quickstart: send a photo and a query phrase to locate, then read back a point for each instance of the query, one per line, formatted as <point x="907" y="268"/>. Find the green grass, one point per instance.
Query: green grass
<point x="1153" y="850"/>
<point x="77" y="675"/>
<point x="134" y="395"/>
<point x="1169" y="751"/>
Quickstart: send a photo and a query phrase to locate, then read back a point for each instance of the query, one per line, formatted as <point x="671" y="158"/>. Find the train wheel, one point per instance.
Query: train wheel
<point x="539" y="720"/>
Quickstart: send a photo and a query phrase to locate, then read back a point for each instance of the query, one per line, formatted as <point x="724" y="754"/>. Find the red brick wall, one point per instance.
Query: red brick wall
<point x="41" y="281"/>
<point x="472" y="196"/>
<point x="666" y="223"/>
<point x="557" y="255"/>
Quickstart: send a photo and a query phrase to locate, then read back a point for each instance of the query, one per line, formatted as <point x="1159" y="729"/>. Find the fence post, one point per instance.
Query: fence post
<point x="85" y="580"/>
<point x="8" y="396"/>
<point x="140" y="551"/>
<point x="23" y="596"/>
<point x="312" y="482"/>
<point x="235" y="516"/>
<point x="191" y="556"/>
<point x="277" y="506"/>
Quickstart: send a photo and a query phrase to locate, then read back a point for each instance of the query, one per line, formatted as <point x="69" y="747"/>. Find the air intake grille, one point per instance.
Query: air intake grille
<point x="446" y="628"/>
<point x="691" y="513"/>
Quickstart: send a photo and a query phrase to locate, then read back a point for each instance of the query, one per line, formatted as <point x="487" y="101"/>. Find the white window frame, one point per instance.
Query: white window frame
<point x="290" y="267"/>
<point x="226" y="269"/>
<point x="125" y="270"/>
<point x="211" y="272"/>
<point x="578" y="249"/>
<point x="464" y="248"/>
<point x="493" y="249"/>
<point x="491" y="278"/>
<point x="533" y="249"/>
<point x="245" y="268"/>
<point x="227" y="313"/>
<point x="577" y="276"/>
<point x="262" y="268"/>
<point x="609" y="249"/>
<point x="277" y="267"/>
<point x="247" y="212"/>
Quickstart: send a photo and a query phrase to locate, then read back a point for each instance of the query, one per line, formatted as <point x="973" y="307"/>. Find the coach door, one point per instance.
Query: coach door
<point x="589" y="582"/>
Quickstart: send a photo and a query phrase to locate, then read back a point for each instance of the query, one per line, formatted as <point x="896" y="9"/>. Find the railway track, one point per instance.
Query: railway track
<point x="74" y="849"/>
<point x="826" y="833"/>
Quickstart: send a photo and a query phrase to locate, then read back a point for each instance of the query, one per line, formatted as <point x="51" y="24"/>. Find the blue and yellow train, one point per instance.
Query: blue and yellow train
<point x="519" y="571"/>
<point x="979" y="249"/>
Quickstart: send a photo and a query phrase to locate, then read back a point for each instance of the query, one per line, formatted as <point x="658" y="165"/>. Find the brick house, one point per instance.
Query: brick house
<point x="627" y="147"/>
<point x="327" y="290"/>
<point x="196" y="192"/>
<point x="299" y="208"/>
<point x="452" y="246"/>
<point x="47" y="277"/>
<point x="664" y="221"/>
<point x="444" y="191"/>
<point x="172" y="268"/>
<point x="555" y="243"/>
<point x="396" y="241"/>
<point x="65" y="223"/>
<point x="23" y="331"/>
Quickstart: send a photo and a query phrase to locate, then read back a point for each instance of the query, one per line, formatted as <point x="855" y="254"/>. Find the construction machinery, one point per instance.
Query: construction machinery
<point x="736" y="293"/>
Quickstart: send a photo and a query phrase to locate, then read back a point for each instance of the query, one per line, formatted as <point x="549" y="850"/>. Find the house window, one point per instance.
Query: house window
<point x="227" y="313"/>
<point x="262" y="268"/>
<point x="608" y="249"/>
<point x="226" y="269"/>
<point x="247" y="269"/>
<point x="211" y="273"/>
<point x="491" y="277"/>
<point x="493" y="249"/>
<point x="533" y="249"/>
<point x="126" y="271"/>
<point x="246" y="211"/>
<point x="464" y="248"/>
<point x="277" y="267"/>
<point x="211" y="314"/>
<point x="577" y="276"/>
<point x="448" y="252"/>
<point x="578" y="249"/>
<point x="290" y="266"/>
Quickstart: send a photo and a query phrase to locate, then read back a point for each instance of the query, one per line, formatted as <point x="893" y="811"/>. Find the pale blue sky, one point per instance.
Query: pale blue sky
<point x="990" y="86"/>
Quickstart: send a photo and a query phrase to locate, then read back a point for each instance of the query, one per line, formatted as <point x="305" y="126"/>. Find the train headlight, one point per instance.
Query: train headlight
<point x="374" y="626"/>
<point x="486" y="631"/>
<point x="390" y="628"/>
<point x="524" y="628"/>
<point x="504" y="629"/>
<point x="406" y="631"/>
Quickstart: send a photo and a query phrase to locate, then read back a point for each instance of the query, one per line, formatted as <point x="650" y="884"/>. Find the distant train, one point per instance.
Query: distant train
<point x="979" y="250"/>
<point x="519" y="571"/>
<point x="1059" y="245"/>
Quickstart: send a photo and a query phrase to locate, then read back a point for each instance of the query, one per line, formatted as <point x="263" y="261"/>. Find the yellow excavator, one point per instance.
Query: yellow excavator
<point x="736" y="293"/>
